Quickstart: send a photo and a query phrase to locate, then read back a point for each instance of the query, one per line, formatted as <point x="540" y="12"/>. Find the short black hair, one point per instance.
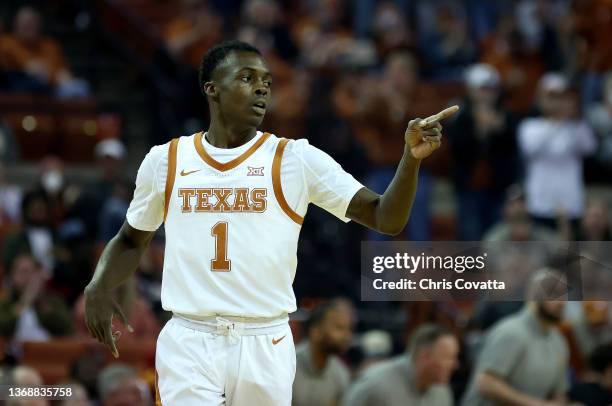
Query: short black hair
<point x="218" y="53"/>
<point x="426" y="335"/>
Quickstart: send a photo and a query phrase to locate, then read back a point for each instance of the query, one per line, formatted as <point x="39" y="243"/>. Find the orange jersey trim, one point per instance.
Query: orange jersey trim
<point x="276" y="182"/>
<point x="234" y="162"/>
<point x="158" y="401"/>
<point x="171" y="175"/>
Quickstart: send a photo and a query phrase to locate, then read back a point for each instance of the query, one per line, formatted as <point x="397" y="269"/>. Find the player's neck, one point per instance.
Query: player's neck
<point x="222" y="136"/>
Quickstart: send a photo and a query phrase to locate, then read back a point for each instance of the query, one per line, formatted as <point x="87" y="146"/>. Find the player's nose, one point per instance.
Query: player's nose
<point x="261" y="91"/>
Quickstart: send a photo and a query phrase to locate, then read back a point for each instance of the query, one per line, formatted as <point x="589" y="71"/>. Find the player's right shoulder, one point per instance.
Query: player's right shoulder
<point x="158" y="154"/>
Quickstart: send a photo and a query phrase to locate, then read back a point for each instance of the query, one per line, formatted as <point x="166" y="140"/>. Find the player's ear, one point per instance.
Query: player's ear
<point x="210" y="89"/>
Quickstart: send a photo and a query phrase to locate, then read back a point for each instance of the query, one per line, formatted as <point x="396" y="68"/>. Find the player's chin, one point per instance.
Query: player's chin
<point x="255" y="120"/>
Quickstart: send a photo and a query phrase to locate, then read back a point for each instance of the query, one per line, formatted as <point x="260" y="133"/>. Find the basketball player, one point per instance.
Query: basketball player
<point x="232" y="200"/>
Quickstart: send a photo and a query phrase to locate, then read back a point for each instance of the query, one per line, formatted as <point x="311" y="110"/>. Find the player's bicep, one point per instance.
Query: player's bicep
<point x="329" y="186"/>
<point x="362" y="208"/>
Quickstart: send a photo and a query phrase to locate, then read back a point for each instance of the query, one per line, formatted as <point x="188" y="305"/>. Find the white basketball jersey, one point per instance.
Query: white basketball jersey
<point x="231" y="238"/>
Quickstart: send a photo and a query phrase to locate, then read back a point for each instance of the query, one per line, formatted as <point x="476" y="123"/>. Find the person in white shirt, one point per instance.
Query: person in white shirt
<point x="553" y="147"/>
<point x="233" y="200"/>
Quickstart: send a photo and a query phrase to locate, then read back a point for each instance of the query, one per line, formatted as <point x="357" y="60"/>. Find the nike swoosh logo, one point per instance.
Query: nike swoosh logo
<point x="183" y="173"/>
<point x="274" y="341"/>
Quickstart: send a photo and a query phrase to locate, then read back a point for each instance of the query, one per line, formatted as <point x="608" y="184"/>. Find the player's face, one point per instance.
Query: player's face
<point x="244" y="84"/>
<point x="337" y="331"/>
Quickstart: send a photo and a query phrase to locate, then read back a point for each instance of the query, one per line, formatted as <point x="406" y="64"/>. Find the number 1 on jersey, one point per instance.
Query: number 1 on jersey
<point x="220" y="263"/>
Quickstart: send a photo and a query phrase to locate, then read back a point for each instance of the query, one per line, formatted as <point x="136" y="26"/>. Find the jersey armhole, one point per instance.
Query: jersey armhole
<point x="277" y="185"/>
<point x="171" y="174"/>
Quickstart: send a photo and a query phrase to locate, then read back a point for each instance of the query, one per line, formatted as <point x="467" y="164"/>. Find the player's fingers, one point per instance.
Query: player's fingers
<point x="414" y="123"/>
<point x="429" y="121"/>
<point x="435" y="143"/>
<point x="99" y="332"/>
<point x="432" y="132"/>
<point x="109" y="340"/>
<point x="124" y="319"/>
<point x="91" y="332"/>
<point x="96" y="333"/>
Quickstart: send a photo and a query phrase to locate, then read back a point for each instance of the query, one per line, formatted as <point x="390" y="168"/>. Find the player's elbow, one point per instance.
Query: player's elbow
<point x="391" y="229"/>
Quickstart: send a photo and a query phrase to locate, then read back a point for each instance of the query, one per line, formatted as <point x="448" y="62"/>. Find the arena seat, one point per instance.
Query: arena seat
<point x="53" y="359"/>
<point x="63" y="350"/>
<point x="35" y="133"/>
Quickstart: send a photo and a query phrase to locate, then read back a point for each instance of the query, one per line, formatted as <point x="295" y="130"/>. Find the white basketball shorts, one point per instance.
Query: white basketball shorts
<point x="225" y="361"/>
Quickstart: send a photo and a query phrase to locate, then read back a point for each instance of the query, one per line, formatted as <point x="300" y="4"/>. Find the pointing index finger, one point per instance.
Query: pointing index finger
<point x="440" y="116"/>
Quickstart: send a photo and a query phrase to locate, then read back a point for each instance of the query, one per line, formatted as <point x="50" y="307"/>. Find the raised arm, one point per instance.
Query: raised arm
<point x="388" y="213"/>
<point x="117" y="263"/>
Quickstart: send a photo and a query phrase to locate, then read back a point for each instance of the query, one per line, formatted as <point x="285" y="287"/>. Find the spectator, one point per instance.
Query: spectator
<point x="36" y="235"/>
<point x="588" y="329"/>
<point x="78" y="397"/>
<point x="448" y="49"/>
<point x="376" y="346"/>
<point x="483" y="147"/>
<point x="418" y="378"/>
<point x="599" y="117"/>
<point x="596" y="224"/>
<point x="110" y="158"/>
<point x="30" y="312"/>
<point x="519" y="67"/>
<point x="321" y="378"/>
<point x="525" y="359"/>
<point x="516" y="225"/>
<point x="189" y="35"/>
<point x="391" y="31"/>
<point x="119" y="385"/>
<point x="52" y="183"/>
<point x="553" y="147"/>
<point x="597" y="390"/>
<point x="26" y="376"/>
<point x="37" y="62"/>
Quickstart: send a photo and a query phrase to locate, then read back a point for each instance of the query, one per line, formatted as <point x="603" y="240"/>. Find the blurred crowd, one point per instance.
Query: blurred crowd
<point x="528" y="158"/>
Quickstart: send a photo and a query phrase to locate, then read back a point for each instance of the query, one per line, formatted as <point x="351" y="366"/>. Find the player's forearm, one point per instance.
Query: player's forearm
<point x="498" y="390"/>
<point x="394" y="205"/>
<point x="118" y="262"/>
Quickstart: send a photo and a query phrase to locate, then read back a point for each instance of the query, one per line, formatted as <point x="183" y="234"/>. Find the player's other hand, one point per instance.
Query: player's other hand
<point x="424" y="136"/>
<point x="100" y="307"/>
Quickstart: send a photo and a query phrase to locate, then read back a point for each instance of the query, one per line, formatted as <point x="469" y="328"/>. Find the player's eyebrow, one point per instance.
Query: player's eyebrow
<point x="265" y="72"/>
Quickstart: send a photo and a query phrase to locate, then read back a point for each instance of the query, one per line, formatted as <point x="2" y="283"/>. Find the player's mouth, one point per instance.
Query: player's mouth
<point x="259" y="107"/>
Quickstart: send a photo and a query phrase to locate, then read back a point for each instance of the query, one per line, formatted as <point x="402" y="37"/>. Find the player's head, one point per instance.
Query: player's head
<point x="434" y="351"/>
<point x="237" y="84"/>
<point x="330" y="326"/>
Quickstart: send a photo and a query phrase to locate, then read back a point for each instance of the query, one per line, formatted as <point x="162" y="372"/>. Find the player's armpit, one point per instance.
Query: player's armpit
<point x="133" y="237"/>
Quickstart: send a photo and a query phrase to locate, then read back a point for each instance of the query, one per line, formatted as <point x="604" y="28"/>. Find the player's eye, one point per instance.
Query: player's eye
<point x="245" y="79"/>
